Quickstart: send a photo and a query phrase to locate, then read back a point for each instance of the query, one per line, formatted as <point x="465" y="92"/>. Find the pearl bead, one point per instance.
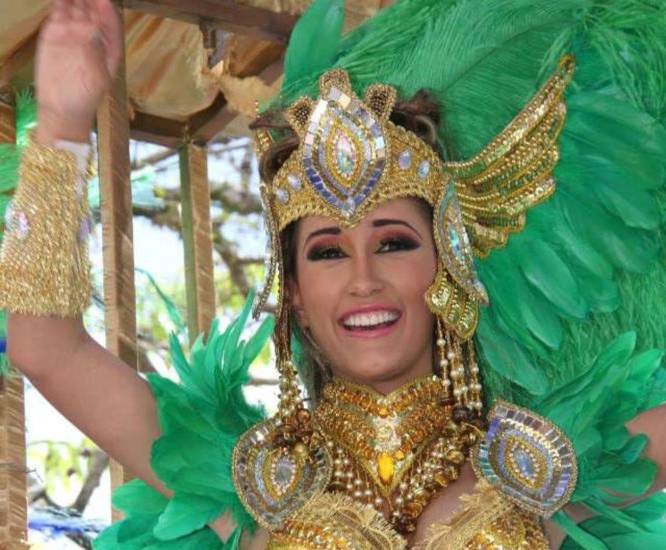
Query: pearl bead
<point x="379" y="502"/>
<point x="441" y="342"/>
<point x="450" y="355"/>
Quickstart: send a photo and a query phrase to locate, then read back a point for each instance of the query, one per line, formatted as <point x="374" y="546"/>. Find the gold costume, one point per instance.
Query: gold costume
<point x="392" y="454"/>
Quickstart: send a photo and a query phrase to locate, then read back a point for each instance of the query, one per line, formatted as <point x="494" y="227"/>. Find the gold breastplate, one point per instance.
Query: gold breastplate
<point x="484" y="521"/>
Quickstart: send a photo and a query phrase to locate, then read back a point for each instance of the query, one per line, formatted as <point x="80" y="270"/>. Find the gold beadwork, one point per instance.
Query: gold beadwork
<point x="399" y="460"/>
<point x="486" y="521"/>
<point x="335" y="522"/>
<point x="44" y="266"/>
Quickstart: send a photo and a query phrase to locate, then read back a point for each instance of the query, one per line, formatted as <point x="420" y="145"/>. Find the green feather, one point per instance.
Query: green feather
<point x="315" y="39"/>
<point x="201" y="418"/>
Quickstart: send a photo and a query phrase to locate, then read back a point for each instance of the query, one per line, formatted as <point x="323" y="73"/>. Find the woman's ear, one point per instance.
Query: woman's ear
<point x="297" y="303"/>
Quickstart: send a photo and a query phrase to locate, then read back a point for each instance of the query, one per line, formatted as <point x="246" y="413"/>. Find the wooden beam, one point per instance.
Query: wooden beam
<point x="205" y="125"/>
<point x="158" y="130"/>
<point x="226" y="14"/>
<point x="117" y="235"/>
<point x="197" y="238"/>
<point x="13" y="504"/>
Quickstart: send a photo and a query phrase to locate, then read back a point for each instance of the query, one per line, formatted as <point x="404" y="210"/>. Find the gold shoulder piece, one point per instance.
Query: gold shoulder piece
<point x="514" y="171"/>
<point x="334" y="521"/>
<point x="527" y="458"/>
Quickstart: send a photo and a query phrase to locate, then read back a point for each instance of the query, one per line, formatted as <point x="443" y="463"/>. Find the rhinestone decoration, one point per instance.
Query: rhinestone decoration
<point x="405" y="159"/>
<point x="294" y="182"/>
<point x="424" y="169"/>
<point x="20" y="225"/>
<point x="275" y="481"/>
<point x="527" y="458"/>
<point x="455" y="248"/>
<point x="282" y="195"/>
<point x="9" y="214"/>
<point x="344" y="150"/>
<point x="84" y="229"/>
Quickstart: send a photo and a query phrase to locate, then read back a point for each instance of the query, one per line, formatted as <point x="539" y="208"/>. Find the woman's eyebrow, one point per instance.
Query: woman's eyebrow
<point x="323" y="231"/>
<point x="386" y="221"/>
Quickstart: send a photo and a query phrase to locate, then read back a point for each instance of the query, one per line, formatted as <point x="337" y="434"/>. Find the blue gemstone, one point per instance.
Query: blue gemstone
<point x="424" y="168"/>
<point x="455" y="242"/>
<point x="405" y="159"/>
<point x="282" y="195"/>
<point x="9" y="213"/>
<point x="524" y="462"/>
<point x="294" y="182"/>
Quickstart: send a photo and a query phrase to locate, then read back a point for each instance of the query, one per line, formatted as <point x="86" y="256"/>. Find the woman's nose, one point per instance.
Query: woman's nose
<point x="365" y="280"/>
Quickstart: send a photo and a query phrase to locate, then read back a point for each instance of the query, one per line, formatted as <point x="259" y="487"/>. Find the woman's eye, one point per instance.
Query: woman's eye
<point x="325" y="253"/>
<point x="394" y="244"/>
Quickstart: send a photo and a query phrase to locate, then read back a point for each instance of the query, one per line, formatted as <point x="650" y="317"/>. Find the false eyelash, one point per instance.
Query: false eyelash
<point x="334" y="252"/>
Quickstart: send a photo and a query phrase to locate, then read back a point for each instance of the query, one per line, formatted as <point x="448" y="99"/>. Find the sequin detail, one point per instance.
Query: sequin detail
<point x="527" y="458"/>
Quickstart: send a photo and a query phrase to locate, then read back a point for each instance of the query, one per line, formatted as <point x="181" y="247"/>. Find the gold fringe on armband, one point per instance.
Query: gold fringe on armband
<point x="44" y="265"/>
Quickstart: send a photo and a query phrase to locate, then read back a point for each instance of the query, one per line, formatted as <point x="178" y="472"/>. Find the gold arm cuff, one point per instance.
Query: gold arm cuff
<point x="44" y="265"/>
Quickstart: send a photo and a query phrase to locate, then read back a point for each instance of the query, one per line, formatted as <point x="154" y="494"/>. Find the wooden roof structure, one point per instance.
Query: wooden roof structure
<point x="191" y="71"/>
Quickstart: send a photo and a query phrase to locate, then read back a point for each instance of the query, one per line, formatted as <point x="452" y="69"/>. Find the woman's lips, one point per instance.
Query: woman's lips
<point x="371" y="322"/>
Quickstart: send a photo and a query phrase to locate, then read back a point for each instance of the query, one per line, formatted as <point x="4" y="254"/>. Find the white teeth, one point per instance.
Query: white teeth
<point x="370" y="319"/>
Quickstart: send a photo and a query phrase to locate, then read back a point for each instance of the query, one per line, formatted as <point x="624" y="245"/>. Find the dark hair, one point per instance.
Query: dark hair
<point x="420" y="115"/>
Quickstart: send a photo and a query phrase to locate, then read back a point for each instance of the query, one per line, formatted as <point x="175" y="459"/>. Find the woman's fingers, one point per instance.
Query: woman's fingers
<point x="111" y="28"/>
<point x="59" y="11"/>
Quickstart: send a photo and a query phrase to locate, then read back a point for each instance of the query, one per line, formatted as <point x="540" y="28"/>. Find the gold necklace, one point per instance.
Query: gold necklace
<point x="394" y="451"/>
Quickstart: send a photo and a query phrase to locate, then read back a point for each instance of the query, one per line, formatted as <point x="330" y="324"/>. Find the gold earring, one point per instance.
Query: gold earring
<point x="459" y="369"/>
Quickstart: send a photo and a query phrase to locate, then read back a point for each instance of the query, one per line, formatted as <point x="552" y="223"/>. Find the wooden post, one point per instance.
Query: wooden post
<point x="197" y="241"/>
<point x="117" y="241"/>
<point x="13" y="502"/>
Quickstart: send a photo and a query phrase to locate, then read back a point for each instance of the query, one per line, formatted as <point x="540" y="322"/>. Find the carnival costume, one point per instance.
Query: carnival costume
<point x="547" y="217"/>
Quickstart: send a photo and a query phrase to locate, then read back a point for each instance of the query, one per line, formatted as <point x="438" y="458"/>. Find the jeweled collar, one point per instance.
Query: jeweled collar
<point x="392" y="451"/>
<point x="383" y="432"/>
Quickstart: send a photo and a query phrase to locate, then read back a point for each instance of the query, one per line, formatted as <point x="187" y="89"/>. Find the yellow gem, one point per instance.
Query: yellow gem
<point x="301" y="451"/>
<point x="399" y="455"/>
<point x="383" y="411"/>
<point x="385" y="467"/>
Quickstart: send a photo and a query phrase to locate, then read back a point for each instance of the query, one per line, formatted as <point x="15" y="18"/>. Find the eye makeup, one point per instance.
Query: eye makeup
<point x="331" y="249"/>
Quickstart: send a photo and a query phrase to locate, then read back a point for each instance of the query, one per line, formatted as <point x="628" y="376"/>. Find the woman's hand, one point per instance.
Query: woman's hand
<point x="78" y="53"/>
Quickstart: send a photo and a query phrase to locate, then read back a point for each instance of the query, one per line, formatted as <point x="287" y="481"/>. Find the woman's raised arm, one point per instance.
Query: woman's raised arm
<point x="78" y="53"/>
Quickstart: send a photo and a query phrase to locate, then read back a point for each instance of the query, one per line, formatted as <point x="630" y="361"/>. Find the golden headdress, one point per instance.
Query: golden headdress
<point x="352" y="158"/>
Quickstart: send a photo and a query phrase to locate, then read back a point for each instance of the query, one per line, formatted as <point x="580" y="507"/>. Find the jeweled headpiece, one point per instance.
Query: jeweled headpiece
<point x="351" y="158"/>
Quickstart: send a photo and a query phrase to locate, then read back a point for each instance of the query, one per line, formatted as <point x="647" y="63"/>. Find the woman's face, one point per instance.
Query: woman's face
<point x="360" y="293"/>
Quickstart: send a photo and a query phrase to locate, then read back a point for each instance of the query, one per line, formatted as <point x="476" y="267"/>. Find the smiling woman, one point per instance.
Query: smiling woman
<point x="454" y="280"/>
<point x="358" y="293"/>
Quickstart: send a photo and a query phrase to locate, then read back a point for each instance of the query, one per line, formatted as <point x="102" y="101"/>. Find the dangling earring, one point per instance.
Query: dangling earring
<point x="441" y="352"/>
<point x="294" y="416"/>
<point x="459" y="369"/>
